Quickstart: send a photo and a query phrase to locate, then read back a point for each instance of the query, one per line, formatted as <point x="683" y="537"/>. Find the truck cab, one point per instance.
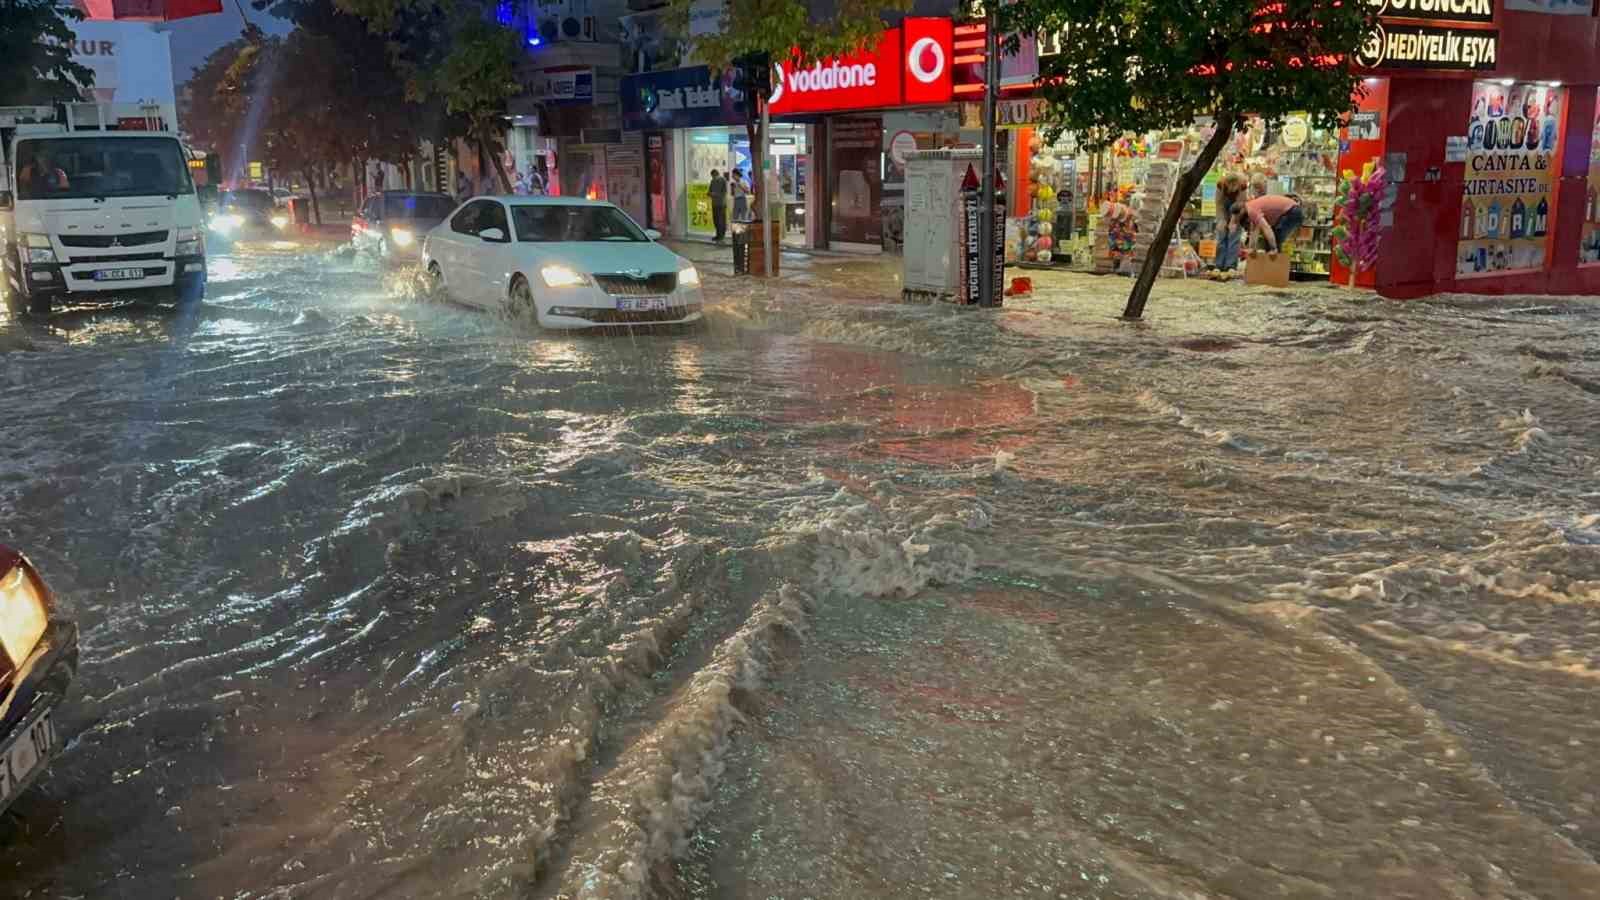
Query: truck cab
<point x="96" y="202"/>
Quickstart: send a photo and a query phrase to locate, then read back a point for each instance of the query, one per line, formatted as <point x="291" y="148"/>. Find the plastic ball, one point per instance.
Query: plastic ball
<point x="1045" y="243"/>
<point x="1046" y="192"/>
<point x="1033" y="228"/>
<point x="1044" y="228"/>
<point x="1031" y="255"/>
<point x="1045" y="215"/>
<point x="1034" y="143"/>
<point x="1044" y="256"/>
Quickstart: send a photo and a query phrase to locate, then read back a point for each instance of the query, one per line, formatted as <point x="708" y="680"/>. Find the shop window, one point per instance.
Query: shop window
<point x="1514" y="133"/>
<point x="1589" y="245"/>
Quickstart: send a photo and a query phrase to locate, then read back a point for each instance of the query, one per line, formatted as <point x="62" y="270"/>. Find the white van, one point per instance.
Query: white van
<point x="96" y="202"/>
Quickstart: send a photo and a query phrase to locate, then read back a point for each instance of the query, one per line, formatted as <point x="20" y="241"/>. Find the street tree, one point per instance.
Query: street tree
<point x="36" y="63"/>
<point x="1145" y="65"/>
<point x="753" y="34"/>
<point x="475" y="79"/>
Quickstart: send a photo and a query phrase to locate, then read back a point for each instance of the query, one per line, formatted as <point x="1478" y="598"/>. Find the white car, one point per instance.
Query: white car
<point x="562" y="262"/>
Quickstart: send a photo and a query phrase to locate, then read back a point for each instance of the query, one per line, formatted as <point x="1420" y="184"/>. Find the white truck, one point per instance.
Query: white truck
<point x="96" y="202"/>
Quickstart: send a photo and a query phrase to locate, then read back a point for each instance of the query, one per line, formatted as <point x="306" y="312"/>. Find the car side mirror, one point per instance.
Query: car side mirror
<point x="492" y="235"/>
<point x="652" y="234"/>
<point x="5" y="200"/>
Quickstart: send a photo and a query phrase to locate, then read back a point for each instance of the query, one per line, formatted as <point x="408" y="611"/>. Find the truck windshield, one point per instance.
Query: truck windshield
<point x="63" y="168"/>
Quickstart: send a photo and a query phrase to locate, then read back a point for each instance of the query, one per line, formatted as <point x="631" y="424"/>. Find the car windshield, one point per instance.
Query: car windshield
<point x="66" y="168"/>
<point x="250" y="200"/>
<point x="553" y="222"/>
<point x="415" y="207"/>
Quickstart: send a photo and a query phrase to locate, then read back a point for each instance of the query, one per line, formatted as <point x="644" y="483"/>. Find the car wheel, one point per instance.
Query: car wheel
<point x="435" y="284"/>
<point x="39" y="306"/>
<point x="520" y="305"/>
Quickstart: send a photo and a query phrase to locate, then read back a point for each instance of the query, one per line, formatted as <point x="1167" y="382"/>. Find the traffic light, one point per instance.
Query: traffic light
<point x="753" y="76"/>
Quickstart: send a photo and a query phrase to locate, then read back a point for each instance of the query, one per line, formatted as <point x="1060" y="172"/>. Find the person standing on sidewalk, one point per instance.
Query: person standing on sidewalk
<point x="741" y="197"/>
<point x="719" y="204"/>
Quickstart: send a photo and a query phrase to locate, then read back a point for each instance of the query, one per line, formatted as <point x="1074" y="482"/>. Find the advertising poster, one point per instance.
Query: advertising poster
<point x="700" y="207"/>
<point x="1551" y="7"/>
<point x="1506" y="217"/>
<point x="1589" y="246"/>
<point x="625" y="176"/>
<point x="857" y="146"/>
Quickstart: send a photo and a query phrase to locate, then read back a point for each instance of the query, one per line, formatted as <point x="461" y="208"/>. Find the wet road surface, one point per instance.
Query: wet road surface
<point x="1278" y="595"/>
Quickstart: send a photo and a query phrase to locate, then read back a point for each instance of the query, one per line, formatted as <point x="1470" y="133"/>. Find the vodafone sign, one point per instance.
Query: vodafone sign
<point x="910" y="64"/>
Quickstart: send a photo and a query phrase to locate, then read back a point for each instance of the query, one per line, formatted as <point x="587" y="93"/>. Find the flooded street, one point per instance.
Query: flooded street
<point x="1278" y="594"/>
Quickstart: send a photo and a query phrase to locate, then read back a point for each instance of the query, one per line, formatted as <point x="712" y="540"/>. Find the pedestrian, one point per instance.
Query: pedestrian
<point x="741" y="197"/>
<point x="535" y="183"/>
<point x="1231" y="230"/>
<point x="1231" y="190"/>
<point x="1274" y="216"/>
<point x="719" y="204"/>
<point x="377" y="180"/>
<point x="463" y="187"/>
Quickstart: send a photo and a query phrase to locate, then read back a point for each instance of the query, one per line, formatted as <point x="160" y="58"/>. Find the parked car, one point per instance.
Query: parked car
<point x="38" y="661"/>
<point x="560" y="261"/>
<point x="393" y="224"/>
<point x="248" y="213"/>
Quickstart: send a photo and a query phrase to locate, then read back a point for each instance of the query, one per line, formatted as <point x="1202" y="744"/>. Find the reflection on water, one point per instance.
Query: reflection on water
<point x="1269" y="596"/>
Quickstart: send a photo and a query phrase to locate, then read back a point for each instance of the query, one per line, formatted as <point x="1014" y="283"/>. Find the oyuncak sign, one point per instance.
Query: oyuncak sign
<point x="1432" y="34"/>
<point x="908" y="65"/>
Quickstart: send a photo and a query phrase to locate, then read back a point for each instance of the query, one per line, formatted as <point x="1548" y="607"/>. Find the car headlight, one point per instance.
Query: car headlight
<point x="280" y="222"/>
<point x="227" y="222"/>
<point x="38" y="247"/>
<point x="689" y="277"/>
<point x="189" y="243"/>
<point x="561" y="276"/>
<point x="23" y="614"/>
<point x="402" y="237"/>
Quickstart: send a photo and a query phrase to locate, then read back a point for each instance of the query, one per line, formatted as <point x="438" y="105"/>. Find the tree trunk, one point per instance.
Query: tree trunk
<point x="1187" y="182"/>
<point x="486" y="147"/>
<point x="758" y="187"/>
<point x="311" y="185"/>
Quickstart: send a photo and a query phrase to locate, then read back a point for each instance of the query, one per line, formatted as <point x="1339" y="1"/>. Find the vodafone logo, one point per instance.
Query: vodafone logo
<point x="925" y="60"/>
<point x="830" y="76"/>
<point x="777" y="83"/>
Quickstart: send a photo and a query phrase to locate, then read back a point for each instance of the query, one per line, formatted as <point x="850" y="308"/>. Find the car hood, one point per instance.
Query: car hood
<point x="606" y="257"/>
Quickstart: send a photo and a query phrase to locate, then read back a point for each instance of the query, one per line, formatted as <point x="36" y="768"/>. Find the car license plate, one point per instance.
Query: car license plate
<point x="118" y="274"/>
<point x="642" y="304"/>
<point x="28" y="752"/>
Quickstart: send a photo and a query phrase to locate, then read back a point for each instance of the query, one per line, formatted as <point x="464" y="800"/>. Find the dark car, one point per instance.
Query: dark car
<point x="38" y="660"/>
<point x="392" y="223"/>
<point x="248" y="213"/>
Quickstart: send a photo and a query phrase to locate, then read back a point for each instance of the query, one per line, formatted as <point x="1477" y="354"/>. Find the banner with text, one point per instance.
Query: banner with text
<point x="1507" y="212"/>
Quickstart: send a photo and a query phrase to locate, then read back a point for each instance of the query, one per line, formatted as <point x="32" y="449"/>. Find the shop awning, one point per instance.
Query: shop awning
<point x="147" y="10"/>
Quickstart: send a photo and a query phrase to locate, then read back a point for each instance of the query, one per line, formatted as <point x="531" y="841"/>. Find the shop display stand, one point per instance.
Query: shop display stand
<point x="1304" y="175"/>
<point x="1158" y="188"/>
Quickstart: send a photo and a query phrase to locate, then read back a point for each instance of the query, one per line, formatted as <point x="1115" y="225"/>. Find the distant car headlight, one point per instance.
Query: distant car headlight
<point x="227" y="222"/>
<point x="38" y="247"/>
<point x="23" y="614"/>
<point x="280" y="222"/>
<point x="561" y="276"/>
<point x="689" y="277"/>
<point x="402" y="237"/>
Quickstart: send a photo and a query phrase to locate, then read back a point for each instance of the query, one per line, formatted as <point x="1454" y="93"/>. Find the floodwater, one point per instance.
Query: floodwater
<point x="1277" y="595"/>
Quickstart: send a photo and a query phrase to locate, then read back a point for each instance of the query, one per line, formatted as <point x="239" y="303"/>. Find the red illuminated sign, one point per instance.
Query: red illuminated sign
<point x="870" y="78"/>
<point x="912" y="64"/>
<point x="929" y="60"/>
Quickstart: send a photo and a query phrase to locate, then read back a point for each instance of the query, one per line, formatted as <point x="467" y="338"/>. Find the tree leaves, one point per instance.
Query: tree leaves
<point x="36" y="64"/>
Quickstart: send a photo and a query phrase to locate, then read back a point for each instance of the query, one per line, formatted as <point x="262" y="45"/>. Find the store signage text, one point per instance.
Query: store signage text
<point x="674" y="99"/>
<point x="1437" y="10"/>
<point x="911" y="64"/>
<point x="1394" y="45"/>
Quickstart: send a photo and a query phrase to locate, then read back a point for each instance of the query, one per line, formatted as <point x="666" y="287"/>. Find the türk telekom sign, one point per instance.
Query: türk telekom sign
<point x="909" y="65"/>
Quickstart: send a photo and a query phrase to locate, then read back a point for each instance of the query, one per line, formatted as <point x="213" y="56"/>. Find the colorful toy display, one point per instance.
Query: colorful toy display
<point x="1356" y="232"/>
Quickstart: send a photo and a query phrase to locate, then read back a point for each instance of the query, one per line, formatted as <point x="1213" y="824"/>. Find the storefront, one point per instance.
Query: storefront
<point x="840" y="130"/>
<point x="1489" y="137"/>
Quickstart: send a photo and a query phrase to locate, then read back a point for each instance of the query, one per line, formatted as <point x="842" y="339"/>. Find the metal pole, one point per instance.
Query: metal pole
<point x="991" y="89"/>
<point x="766" y="201"/>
